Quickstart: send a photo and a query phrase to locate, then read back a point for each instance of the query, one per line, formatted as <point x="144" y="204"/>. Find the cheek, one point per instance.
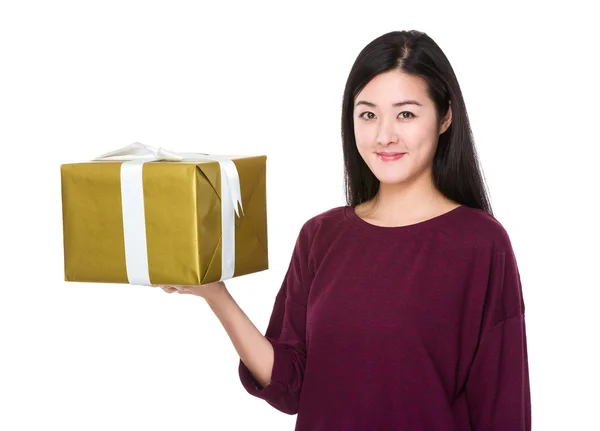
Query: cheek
<point x="420" y="140"/>
<point x="364" y="136"/>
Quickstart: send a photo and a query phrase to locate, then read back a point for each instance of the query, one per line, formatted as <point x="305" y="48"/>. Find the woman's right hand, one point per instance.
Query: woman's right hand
<point x="206" y="291"/>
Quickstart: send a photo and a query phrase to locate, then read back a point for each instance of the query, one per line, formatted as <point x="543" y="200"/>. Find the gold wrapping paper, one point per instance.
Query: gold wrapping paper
<point x="182" y="206"/>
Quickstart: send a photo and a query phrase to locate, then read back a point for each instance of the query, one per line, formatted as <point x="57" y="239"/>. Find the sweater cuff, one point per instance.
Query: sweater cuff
<point x="279" y="375"/>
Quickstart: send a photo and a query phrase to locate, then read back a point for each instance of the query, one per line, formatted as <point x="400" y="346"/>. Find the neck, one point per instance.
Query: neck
<point x="401" y="203"/>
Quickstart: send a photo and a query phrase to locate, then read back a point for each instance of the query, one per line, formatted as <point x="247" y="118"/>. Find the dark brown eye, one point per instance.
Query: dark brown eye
<point x="406" y="112"/>
<point x="369" y="114"/>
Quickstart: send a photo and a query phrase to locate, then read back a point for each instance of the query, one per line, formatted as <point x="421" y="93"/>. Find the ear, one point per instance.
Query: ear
<point x="447" y="119"/>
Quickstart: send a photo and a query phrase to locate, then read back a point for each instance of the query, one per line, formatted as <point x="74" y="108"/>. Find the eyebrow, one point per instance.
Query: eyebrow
<point x="395" y="105"/>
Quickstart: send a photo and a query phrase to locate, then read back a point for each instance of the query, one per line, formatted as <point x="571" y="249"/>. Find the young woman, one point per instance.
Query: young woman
<point x="402" y="310"/>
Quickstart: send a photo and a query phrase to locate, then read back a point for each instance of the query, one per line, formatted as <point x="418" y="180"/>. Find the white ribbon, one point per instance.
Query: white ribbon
<point x="132" y="197"/>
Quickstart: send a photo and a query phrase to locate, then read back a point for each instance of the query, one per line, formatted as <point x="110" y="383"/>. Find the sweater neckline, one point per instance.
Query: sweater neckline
<point x="355" y="220"/>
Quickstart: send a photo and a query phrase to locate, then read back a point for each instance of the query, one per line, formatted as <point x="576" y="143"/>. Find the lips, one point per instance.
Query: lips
<point x="388" y="157"/>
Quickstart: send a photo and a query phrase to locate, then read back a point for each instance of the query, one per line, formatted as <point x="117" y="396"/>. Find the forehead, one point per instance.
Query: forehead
<point x="394" y="86"/>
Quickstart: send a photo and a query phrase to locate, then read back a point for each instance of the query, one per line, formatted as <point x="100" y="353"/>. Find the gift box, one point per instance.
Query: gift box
<point x="141" y="215"/>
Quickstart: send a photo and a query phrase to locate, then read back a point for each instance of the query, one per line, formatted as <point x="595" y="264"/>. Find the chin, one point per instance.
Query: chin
<point x="390" y="179"/>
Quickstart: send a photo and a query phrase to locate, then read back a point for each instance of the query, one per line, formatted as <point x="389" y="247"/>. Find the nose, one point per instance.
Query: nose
<point x="386" y="134"/>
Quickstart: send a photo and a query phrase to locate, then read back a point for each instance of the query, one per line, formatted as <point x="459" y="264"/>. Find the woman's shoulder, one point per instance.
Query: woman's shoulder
<point x="481" y="228"/>
<point x="324" y="219"/>
<point x="334" y="213"/>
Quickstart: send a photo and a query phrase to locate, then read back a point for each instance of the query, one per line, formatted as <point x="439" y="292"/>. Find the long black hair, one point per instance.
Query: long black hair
<point x="456" y="170"/>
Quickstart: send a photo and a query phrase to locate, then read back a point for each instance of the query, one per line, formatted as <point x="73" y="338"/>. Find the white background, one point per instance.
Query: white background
<point x="80" y="78"/>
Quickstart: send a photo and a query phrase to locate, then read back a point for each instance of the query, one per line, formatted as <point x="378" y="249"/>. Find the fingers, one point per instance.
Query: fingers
<point x="173" y="289"/>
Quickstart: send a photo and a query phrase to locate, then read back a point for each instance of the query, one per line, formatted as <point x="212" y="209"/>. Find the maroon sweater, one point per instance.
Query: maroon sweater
<point x="411" y="328"/>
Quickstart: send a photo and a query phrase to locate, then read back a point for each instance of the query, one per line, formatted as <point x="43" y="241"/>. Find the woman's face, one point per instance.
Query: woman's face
<point x="396" y="128"/>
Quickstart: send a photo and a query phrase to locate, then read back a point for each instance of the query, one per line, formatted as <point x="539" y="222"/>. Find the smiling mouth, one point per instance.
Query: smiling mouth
<point x="389" y="157"/>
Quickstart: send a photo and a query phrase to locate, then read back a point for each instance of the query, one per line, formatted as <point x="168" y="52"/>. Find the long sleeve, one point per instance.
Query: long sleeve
<point x="286" y="332"/>
<point x="498" y="392"/>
